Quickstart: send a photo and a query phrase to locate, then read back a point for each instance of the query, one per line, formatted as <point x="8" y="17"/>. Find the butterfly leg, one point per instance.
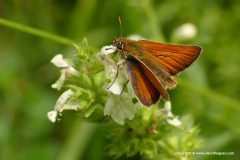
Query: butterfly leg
<point x="114" y="55"/>
<point x="120" y="65"/>
<point x="114" y="78"/>
<point x="124" y="86"/>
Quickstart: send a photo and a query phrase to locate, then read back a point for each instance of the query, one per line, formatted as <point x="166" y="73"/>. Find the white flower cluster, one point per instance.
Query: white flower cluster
<point x="61" y="104"/>
<point x="112" y="71"/>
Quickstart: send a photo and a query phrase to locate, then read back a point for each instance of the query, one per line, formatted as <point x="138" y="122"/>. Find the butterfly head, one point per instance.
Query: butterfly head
<point x="119" y="43"/>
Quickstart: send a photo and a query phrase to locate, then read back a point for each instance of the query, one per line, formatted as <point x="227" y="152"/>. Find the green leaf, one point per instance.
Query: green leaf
<point x="133" y="147"/>
<point x="99" y="79"/>
<point x="120" y="107"/>
<point x="91" y="109"/>
<point x="82" y="47"/>
<point x="148" y="148"/>
<point x="84" y="80"/>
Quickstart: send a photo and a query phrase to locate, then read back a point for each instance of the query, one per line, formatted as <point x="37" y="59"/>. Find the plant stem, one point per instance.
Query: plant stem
<point x="36" y="32"/>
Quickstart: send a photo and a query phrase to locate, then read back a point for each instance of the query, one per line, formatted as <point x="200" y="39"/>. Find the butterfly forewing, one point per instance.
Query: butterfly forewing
<point x="171" y="58"/>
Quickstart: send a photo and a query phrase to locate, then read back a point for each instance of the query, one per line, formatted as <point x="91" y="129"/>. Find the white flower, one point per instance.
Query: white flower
<point x="59" y="61"/>
<point x="62" y="100"/>
<point x="61" y="105"/>
<point x="66" y="69"/>
<point x="186" y="31"/>
<point x="120" y="108"/>
<point x="109" y="64"/>
<point x="174" y="121"/>
<point x="116" y="88"/>
<point x="59" y="83"/>
<point x="168" y="107"/>
<point x="171" y="119"/>
<point x="108" y="50"/>
<point x="52" y="116"/>
<point x="112" y="69"/>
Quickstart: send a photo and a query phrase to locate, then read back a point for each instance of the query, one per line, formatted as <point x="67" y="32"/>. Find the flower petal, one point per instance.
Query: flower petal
<point x="59" y="83"/>
<point x="59" y="61"/>
<point x="72" y="71"/>
<point x="108" y="49"/>
<point x="62" y="100"/>
<point x="120" y="108"/>
<point x="52" y="116"/>
<point x="175" y="121"/>
<point x="116" y="88"/>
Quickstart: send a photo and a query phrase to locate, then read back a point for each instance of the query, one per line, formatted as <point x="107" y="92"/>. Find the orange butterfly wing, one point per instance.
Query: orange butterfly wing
<point x="172" y="58"/>
<point x="157" y="84"/>
<point x="143" y="88"/>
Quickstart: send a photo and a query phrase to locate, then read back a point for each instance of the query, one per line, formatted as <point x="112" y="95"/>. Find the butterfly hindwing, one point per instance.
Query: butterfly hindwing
<point x="143" y="88"/>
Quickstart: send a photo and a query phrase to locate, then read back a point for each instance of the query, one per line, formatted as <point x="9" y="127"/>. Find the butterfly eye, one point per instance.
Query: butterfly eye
<point x="120" y="46"/>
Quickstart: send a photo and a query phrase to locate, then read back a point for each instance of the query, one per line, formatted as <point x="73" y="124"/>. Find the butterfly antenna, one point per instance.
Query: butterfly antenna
<point x="120" y="22"/>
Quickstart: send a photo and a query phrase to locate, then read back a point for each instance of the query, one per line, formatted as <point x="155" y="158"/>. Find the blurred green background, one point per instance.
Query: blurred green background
<point x="209" y="90"/>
